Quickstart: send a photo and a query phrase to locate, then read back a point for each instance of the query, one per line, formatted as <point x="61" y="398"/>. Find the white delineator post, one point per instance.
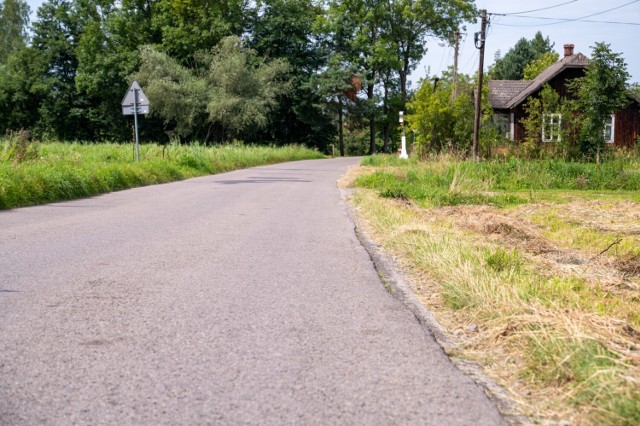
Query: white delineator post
<point x="403" y="138"/>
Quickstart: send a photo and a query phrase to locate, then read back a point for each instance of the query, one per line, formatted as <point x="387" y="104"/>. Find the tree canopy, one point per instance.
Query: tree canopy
<point x="523" y="53"/>
<point x="14" y="22"/>
<point x="600" y="93"/>
<point x="63" y="76"/>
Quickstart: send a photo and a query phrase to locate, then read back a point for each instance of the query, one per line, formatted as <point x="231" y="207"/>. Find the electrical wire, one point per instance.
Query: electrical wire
<point x="581" y="19"/>
<point x="575" y="20"/>
<point x="473" y="57"/>
<point x="444" y="53"/>
<point x="534" y="10"/>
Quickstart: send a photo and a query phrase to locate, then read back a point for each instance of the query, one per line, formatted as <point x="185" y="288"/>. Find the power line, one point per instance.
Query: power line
<point x="444" y="53"/>
<point x="574" y="20"/>
<point x="473" y="57"/>
<point x="534" y="10"/>
<point x="582" y="18"/>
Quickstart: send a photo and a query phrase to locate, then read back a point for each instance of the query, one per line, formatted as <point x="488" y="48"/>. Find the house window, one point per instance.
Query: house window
<point x="502" y="123"/>
<point x="551" y="126"/>
<point x="609" y="128"/>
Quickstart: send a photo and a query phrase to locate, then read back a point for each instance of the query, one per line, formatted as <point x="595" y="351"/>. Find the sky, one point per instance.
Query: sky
<point x="505" y="31"/>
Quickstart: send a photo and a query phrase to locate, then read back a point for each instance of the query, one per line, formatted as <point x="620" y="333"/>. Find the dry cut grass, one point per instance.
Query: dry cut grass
<point x="544" y="296"/>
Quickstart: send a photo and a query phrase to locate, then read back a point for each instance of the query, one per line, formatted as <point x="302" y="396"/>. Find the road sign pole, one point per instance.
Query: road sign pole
<point x="135" y="121"/>
<point x="134" y="103"/>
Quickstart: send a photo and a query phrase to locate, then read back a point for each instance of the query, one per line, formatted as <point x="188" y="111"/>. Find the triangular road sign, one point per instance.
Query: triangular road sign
<point x="128" y="102"/>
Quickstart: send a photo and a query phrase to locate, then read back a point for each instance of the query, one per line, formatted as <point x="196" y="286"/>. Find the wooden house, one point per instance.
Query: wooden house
<point x="507" y="98"/>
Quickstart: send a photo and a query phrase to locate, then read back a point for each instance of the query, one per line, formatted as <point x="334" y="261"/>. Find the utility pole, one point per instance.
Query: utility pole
<point x="455" y="64"/>
<point x="479" y="42"/>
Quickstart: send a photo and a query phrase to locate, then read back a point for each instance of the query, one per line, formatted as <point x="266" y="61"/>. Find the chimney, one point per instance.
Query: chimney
<point x="568" y="50"/>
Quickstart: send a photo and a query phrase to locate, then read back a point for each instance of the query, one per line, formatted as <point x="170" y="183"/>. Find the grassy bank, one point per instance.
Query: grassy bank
<point x="448" y="181"/>
<point x="42" y="173"/>
<point x="534" y="268"/>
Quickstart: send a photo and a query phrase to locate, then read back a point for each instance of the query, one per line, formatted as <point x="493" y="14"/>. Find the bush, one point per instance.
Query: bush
<point x="18" y="147"/>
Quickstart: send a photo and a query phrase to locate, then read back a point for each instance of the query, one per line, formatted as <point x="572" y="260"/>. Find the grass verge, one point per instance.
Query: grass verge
<point x="542" y="290"/>
<point x="43" y="173"/>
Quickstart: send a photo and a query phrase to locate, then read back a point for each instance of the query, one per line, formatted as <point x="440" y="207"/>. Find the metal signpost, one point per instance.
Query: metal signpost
<point x="403" y="152"/>
<point x="135" y="102"/>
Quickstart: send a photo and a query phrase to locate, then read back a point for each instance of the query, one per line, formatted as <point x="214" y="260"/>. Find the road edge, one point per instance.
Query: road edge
<point x="400" y="288"/>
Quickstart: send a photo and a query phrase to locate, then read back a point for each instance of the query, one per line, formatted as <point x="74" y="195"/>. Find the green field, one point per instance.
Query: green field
<point x="448" y="181"/>
<point x="34" y="173"/>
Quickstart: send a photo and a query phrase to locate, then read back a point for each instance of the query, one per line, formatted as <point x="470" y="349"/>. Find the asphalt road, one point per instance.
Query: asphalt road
<point x="241" y="298"/>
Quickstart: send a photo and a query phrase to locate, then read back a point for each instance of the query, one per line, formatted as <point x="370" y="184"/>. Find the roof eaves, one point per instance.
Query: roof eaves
<point x="539" y="81"/>
<point x="502" y="91"/>
<point x="634" y="96"/>
<point x="545" y="76"/>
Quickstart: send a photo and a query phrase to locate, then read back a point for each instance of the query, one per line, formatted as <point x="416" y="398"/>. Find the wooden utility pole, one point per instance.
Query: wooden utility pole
<point x="455" y="64"/>
<point x="479" y="41"/>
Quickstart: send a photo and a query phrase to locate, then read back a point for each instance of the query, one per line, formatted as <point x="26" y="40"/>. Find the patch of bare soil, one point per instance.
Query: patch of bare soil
<point x="620" y="217"/>
<point x="514" y="230"/>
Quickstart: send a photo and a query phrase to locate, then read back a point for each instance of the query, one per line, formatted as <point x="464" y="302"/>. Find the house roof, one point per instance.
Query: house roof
<point x="500" y="90"/>
<point x="633" y="96"/>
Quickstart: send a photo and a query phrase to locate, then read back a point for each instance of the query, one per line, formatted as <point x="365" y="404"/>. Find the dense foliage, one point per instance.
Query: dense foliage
<point x="264" y="85"/>
<point x="512" y="65"/>
<point x="602" y="91"/>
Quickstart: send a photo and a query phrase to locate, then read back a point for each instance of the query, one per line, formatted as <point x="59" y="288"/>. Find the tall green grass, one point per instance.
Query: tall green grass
<point x="65" y="171"/>
<point x="448" y="181"/>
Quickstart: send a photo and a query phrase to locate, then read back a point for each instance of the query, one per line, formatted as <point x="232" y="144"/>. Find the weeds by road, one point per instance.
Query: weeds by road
<point x="533" y="268"/>
<point x="32" y="173"/>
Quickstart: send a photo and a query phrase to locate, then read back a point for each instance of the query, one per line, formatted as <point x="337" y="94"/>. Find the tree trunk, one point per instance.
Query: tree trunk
<point x="372" y="119"/>
<point x="404" y="72"/>
<point x="385" y="128"/>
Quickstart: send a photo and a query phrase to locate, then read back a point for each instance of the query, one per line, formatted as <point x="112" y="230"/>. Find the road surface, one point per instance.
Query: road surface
<point x="241" y="298"/>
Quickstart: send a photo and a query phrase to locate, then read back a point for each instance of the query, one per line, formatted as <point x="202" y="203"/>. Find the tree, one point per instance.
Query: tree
<point x="336" y="85"/>
<point x="243" y="90"/>
<point x="514" y="62"/>
<point x="411" y="21"/>
<point x="511" y="67"/>
<point x="409" y="24"/>
<point x="440" y="121"/>
<point x="190" y="26"/>
<point x="176" y="95"/>
<point x="55" y="37"/>
<point x="601" y="92"/>
<point x="534" y="68"/>
<point x="285" y="29"/>
<point x="14" y="23"/>
<point x="541" y="45"/>
<point x="233" y="91"/>
<point x="22" y="89"/>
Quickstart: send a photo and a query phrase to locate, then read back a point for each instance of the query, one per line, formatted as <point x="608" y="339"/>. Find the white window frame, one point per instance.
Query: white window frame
<point x="555" y="127"/>
<point x="612" y="125"/>
<point x="512" y="126"/>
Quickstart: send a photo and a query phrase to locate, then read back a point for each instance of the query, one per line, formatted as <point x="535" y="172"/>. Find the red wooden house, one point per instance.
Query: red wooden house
<point x="507" y="98"/>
